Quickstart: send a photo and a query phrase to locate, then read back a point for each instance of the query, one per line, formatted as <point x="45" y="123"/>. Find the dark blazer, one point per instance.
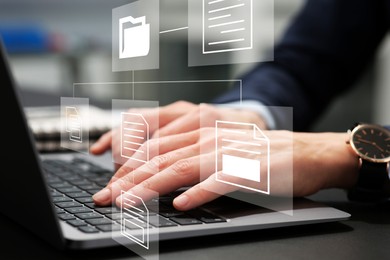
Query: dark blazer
<point x="327" y="46"/>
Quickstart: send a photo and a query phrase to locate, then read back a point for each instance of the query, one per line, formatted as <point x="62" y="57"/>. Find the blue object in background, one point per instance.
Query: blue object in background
<point x="25" y="38"/>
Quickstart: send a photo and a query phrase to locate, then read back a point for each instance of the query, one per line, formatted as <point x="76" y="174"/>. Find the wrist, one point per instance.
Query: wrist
<point x="346" y="161"/>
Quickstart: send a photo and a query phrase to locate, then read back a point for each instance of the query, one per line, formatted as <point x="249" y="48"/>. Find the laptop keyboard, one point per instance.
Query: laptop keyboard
<point x="73" y="184"/>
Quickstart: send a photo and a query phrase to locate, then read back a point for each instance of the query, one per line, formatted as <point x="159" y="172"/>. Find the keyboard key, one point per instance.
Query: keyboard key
<point x="71" y="178"/>
<point x="107" y="210"/>
<point x="78" y="194"/>
<point x="53" y="180"/>
<point x="137" y="224"/>
<point x="60" y="185"/>
<point x="81" y="182"/>
<point x="88" y="186"/>
<point x="102" y="183"/>
<point x="89" y="215"/>
<point x="114" y="216"/>
<point x="69" y="204"/>
<point x="55" y="194"/>
<point x="88" y="229"/>
<point x="61" y="199"/>
<point x="58" y="210"/>
<point x="159" y="221"/>
<point x="76" y="222"/>
<point x="78" y="210"/>
<point x="99" y="221"/>
<point x="66" y="216"/>
<point x="93" y="191"/>
<point x="205" y="216"/>
<point x="186" y="220"/>
<point x="90" y="176"/>
<point x="90" y="204"/>
<point x="69" y="189"/>
<point x="84" y="199"/>
<point x="109" y="228"/>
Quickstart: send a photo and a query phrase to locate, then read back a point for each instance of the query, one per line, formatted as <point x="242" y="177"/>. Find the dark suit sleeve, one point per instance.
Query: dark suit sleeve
<point x="323" y="52"/>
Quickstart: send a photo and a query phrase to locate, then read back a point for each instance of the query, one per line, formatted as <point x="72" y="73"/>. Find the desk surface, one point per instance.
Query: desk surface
<point x="365" y="236"/>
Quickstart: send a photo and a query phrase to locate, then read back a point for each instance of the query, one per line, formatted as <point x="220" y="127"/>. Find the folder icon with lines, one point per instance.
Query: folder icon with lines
<point x="244" y="157"/>
<point x="134" y="133"/>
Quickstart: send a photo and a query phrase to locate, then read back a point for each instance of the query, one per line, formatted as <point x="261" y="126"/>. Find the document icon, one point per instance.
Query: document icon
<point x="134" y="133"/>
<point x="244" y="155"/>
<point x="134" y="219"/>
<point x="134" y="37"/>
<point x="73" y="124"/>
<point x="227" y="25"/>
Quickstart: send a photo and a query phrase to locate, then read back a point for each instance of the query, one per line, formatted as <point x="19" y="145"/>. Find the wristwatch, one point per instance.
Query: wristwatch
<point x="371" y="143"/>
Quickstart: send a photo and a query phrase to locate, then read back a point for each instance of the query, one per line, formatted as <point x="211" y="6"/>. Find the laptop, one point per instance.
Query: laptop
<point x="50" y="195"/>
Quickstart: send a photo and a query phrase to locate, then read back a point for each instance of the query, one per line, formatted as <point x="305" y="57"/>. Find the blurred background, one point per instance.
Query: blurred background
<point x="54" y="44"/>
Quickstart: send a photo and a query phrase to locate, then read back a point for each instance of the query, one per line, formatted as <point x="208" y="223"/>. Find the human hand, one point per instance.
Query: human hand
<point x="178" y="117"/>
<point x="319" y="161"/>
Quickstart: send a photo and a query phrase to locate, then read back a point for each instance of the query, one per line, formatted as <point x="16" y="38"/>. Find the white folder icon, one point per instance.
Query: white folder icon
<point x="133" y="41"/>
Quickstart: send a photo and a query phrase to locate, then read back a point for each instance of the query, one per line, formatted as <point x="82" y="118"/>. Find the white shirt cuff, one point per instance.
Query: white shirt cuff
<point x="256" y="106"/>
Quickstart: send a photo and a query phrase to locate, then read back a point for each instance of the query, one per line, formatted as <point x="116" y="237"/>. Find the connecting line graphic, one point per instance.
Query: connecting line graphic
<point x="174" y="30"/>
<point x="132" y="83"/>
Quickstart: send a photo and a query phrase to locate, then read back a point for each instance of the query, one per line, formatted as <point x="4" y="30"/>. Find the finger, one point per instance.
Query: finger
<point x="182" y="173"/>
<point x="182" y="124"/>
<point x="202" y="193"/>
<point x="142" y="174"/>
<point x="158" y="147"/>
<point x="102" y="144"/>
<point x="202" y="115"/>
<point x="183" y="148"/>
<point x="173" y="111"/>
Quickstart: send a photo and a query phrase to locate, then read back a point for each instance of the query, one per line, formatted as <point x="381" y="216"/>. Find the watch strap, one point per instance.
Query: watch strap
<point x="371" y="182"/>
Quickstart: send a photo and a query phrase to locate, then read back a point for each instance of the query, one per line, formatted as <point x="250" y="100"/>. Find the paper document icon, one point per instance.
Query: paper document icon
<point x="134" y="133"/>
<point x="134" y="219"/>
<point x="227" y="25"/>
<point x="73" y="124"/>
<point x="245" y="154"/>
<point x="134" y="37"/>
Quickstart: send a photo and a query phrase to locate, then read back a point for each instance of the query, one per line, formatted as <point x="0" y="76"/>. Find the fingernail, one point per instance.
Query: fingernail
<point x="94" y="146"/>
<point x="181" y="201"/>
<point x="102" y="195"/>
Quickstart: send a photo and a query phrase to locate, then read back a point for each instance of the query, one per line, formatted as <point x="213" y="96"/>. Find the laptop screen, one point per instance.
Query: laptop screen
<point x="27" y="198"/>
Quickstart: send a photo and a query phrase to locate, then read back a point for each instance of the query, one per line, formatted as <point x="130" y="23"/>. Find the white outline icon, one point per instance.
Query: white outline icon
<point x="134" y="219"/>
<point x="232" y="159"/>
<point x="134" y="41"/>
<point x="134" y="134"/>
<point x="225" y="26"/>
<point x="74" y="124"/>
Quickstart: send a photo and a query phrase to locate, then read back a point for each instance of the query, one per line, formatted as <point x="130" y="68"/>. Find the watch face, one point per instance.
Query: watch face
<point x="371" y="142"/>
